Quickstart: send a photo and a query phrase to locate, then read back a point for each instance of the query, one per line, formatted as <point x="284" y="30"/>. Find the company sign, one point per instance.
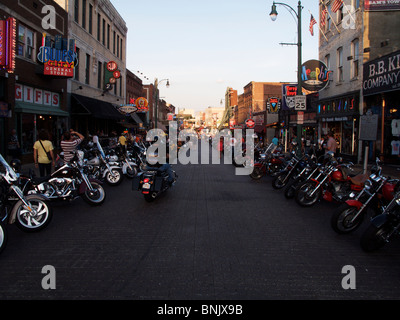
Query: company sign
<point x="381" y="5"/>
<point x="139" y="105"/>
<point x="382" y="74"/>
<point x="273" y="105"/>
<point x="289" y="93"/>
<point x="315" y="75"/>
<point x="59" y="60"/>
<point x="36" y="96"/>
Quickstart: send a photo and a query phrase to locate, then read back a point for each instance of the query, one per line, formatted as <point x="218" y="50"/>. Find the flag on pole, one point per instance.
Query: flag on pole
<point x="323" y="17"/>
<point x="336" y="5"/>
<point x="312" y="22"/>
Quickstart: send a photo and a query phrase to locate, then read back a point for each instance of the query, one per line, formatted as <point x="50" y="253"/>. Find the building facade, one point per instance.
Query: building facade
<point x="33" y="93"/>
<point x="99" y="83"/>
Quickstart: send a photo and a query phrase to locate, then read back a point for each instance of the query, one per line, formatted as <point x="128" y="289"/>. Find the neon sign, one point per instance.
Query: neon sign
<point x="57" y="60"/>
<point x="315" y="75"/>
<point x="8" y="36"/>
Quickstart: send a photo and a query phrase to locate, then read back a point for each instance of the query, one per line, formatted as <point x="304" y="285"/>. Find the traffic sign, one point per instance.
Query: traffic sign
<point x="250" y="123"/>
<point x="300" y="103"/>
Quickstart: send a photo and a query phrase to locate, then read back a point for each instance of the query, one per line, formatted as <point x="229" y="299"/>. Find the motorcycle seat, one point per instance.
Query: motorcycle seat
<point x="359" y="180"/>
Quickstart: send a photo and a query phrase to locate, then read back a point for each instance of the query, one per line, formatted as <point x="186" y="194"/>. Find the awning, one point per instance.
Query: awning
<point x="25" y="107"/>
<point x="136" y="118"/>
<point x="95" y="108"/>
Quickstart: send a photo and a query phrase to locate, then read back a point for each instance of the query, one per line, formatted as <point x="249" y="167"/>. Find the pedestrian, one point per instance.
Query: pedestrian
<point x="43" y="155"/>
<point x="69" y="144"/>
<point x="275" y="140"/>
<point x="331" y="144"/>
<point x="14" y="148"/>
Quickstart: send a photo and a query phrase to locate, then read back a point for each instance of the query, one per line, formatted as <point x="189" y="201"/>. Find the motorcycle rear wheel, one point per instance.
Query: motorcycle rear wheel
<point x="303" y="194"/>
<point x="95" y="198"/>
<point x="372" y="238"/>
<point x="3" y="237"/>
<point x="341" y="219"/>
<point x="33" y="223"/>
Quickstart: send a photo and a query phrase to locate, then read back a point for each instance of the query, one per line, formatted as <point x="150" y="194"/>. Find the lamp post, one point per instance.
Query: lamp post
<point x="156" y="83"/>
<point x="274" y="16"/>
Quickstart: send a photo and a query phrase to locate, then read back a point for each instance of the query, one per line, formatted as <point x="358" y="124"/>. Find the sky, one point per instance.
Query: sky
<point x="204" y="47"/>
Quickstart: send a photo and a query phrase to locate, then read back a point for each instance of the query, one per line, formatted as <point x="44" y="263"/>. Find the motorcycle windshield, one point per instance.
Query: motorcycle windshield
<point x="9" y="170"/>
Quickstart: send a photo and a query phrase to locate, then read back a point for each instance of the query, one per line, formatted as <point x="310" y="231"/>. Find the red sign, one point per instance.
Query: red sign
<point x="2" y="43"/>
<point x="381" y="5"/>
<point x="142" y="104"/>
<point x="117" y="74"/>
<point x="8" y="36"/>
<point x="250" y="123"/>
<point x="112" y="66"/>
<point x="59" y="68"/>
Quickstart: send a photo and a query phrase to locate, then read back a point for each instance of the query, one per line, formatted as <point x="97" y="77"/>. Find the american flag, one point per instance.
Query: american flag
<point x="336" y="5"/>
<point x="323" y="17"/>
<point x="312" y="22"/>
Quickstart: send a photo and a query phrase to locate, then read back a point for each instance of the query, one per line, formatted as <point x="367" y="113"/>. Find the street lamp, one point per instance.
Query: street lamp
<point x="274" y="16"/>
<point x="156" y="83"/>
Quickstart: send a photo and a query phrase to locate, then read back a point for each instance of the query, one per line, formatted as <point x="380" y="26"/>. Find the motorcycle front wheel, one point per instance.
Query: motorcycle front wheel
<point x="95" y="197"/>
<point x="131" y="173"/>
<point x="3" y="237"/>
<point x="373" y="238"/>
<point x="257" y="173"/>
<point x="305" y="196"/>
<point x="114" y="179"/>
<point x="290" y="190"/>
<point x="280" y="181"/>
<point x="341" y="219"/>
<point x="35" y="219"/>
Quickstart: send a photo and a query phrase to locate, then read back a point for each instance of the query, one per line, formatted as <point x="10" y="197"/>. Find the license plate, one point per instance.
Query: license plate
<point x="146" y="185"/>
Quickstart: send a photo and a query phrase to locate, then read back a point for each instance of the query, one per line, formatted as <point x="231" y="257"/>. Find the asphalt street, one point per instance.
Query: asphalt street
<point x="214" y="236"/>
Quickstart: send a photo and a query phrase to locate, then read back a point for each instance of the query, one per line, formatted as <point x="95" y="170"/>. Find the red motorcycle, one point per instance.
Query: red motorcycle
<point x="268" y="163"/>
<point x="378" y="191"/>
<point x="332" y="182"/>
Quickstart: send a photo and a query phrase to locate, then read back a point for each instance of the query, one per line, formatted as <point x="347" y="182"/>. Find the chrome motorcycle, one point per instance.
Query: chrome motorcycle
<point x="30" y="213"/>
<point x="68" y="183"/>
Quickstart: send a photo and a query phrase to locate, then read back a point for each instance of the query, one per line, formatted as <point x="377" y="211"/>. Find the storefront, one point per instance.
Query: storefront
<point x="381" y="90"/>
<point x="340" y="116"/>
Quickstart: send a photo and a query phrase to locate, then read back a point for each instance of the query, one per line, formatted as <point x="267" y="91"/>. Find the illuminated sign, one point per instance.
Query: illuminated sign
<point x="140" y="105"/>
<point x="111" y="74"/>
<point x="381" y="5"/>
<point x="315" y="75"/>
<point x="36" y="96"/>
<point x="273" y="105"/>
<point x="58" y="60"/>
<point x="8" y="36"/>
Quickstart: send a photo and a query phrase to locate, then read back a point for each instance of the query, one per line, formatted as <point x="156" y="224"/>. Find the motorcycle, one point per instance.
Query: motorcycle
<point x="152" y="182"/>
<point x="128" y="166"/>
<point x="376" y="194"/>
<point x="332" y="182"/>
<point x="138" y="155"/>
<point x="30" y="213"/>
<point x="384" y="227"/>
<point x="98" y="166"/>
<point x="292" y="168"/>
<point x="269" y="163"/>
<point x="68" y="183"/>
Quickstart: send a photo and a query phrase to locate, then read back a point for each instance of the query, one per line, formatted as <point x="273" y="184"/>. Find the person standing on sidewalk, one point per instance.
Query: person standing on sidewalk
<point x="69" y="144"/>
<point x="43" y="154"/>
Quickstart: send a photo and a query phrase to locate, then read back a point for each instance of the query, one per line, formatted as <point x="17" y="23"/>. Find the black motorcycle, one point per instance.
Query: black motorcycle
<point x="152" y="182"/>
<point x="30" y="213"/>
<point x="68" y="183"/>
<point x="384" y="227"/>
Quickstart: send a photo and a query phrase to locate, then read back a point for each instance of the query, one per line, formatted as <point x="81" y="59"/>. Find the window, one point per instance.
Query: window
<point x="98" y="26"/>
<point x="340" y="64"/>
<point x="76" y="69"/>
<point x="26" y="43"/>
<point x="355" y="4"/>
<point x="76" y="11"/>
<point x="99" y="74"/>
<point x="90" y="19"/>
<point x="121" y="50"/>
<point x="114" y="42"/>
<point x="87" y="70"/>
<point x="117" y="45"/>
<point x="328" y="23"/>
<point x="108" y="36"/>
<point x="328" y="61"/>
<point x="355" y="53"/>
<point x="104" y="32"/>
<point x="339" y="15"/>
<point x="84" y="14"/>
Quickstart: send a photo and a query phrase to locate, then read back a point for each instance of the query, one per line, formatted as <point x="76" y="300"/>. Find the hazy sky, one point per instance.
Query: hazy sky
<point x="205" y="46"/>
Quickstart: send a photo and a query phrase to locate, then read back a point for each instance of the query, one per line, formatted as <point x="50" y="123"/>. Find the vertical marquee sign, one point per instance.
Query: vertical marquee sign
<point x="8" y="35"/>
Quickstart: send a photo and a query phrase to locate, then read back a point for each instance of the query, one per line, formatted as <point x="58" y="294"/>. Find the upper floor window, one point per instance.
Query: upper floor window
<point x="355" y="48"/>
<point x="340" y="64"/>
<point x="26" y="42"/>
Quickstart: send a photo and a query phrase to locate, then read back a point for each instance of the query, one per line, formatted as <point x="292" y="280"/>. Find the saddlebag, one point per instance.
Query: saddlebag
<point x="136" y="182"/>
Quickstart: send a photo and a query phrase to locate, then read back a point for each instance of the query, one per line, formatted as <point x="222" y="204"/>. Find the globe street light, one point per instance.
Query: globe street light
<point x="156" y="83"/>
